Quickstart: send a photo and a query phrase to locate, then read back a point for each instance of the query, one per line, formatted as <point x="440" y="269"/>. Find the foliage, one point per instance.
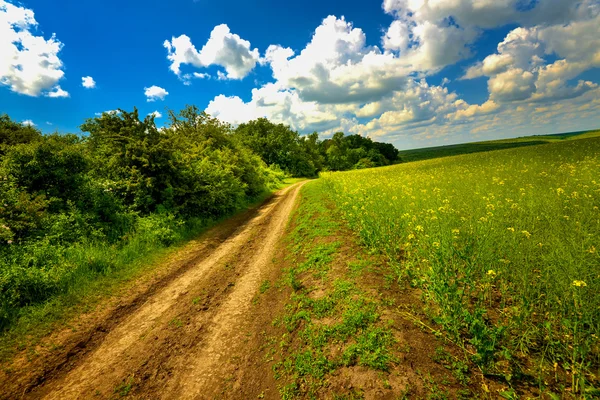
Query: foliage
<point x="13" y="133"/>
<point x="278" y="144"/>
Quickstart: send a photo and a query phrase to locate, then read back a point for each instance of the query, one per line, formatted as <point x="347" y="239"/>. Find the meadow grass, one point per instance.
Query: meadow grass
<point x="506" y="248"/>
<point x="428" y="153"/>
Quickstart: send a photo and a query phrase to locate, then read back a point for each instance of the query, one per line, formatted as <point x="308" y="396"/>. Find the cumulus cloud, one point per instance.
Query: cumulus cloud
<point x="466" y="111"/>
<point x="514" y="84"/>
<point x="28" y="122"/>
<point x="338" y="81"/>
<point x="418" y="104"/>
<point x="277" y="104"/>
<point x="485" y="13"/>
<point x="154" y="93"/>
<point x="57" y="92"/>
<point x="519" y="70"/>
<point x="337" y="66"/>
<point x="88" y="82"/>
<point x="29" y="64"/>
<point x="156" y="114"/>
<point x="223" y="48"/>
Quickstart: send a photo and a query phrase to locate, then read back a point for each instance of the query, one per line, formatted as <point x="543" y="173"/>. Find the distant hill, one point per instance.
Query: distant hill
<point x="476" y="147"/>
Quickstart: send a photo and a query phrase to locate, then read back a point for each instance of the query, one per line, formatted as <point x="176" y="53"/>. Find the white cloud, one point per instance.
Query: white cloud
<point x="485" y="13"/>
<point x="88" y="82"/>
<point x="339" y="82"/>
<point x="28" y="122"/>
<point x="278" y="105"/>
<point x="418" y="104"/>
<point x="519" y="71"/>
<point x="156" y="114"/>
<point x="466" y="111"/>
<point x="57" y="92"/>
<point x="223" y="48"/>
<point x="154" y="93"/>
<point x="110" y="112"/>
<point x="29" y="64"/>
<point x="336" y="66"/>
<point x="514" y="84"/>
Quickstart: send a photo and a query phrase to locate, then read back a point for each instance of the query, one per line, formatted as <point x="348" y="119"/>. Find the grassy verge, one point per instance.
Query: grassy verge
<point x="99" y="272"/>
<point x="341" y="335"/>
<point x="330" y="321"/>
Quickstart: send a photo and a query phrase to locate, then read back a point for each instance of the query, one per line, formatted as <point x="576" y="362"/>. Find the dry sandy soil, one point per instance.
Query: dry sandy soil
<point x="180" y="335"/>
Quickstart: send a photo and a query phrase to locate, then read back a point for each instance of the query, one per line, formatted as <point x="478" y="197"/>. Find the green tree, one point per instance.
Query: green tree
<point x="276" y="144"/>
<point x="13" y="133"/>
<point x="53" y="166"/>
<point x="134" y="158"/>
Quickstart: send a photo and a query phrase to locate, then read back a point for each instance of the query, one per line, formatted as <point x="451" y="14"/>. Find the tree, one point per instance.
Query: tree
<point x="13" y="133"/>
<point x="53" y="166"/>
<point x="276" y="144"/>
<point x="134" y="157"/>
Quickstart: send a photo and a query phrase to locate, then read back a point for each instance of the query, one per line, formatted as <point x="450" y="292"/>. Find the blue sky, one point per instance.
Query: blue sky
<point x="410" y="72"/>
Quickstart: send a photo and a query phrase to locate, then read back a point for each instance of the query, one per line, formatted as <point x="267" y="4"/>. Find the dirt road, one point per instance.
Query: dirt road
<point x="179" y="337"/>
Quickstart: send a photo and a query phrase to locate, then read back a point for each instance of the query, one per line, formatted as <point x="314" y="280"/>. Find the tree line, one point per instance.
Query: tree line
<point x="76" y="207"/>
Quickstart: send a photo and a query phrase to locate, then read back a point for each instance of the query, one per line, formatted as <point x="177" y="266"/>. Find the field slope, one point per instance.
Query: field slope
<point x="428" y="153"/>
<point x="506" y="248"/>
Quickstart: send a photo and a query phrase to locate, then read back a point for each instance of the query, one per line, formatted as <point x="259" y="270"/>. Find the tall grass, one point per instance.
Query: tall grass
<point x="506" y="247"/>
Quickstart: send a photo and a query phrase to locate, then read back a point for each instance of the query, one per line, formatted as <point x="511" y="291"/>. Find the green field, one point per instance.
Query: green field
<point x="478" y="147"/>
<point x="505" y="247"/>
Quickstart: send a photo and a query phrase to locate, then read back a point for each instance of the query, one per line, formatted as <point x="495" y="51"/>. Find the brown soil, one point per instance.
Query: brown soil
<point x="175" y="335"/>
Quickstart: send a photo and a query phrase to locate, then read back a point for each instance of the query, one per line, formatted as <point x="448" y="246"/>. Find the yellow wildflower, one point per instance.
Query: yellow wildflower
<point x="579" y="283"/>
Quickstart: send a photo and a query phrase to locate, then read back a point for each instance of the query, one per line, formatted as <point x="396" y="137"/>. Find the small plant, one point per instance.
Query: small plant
<point x="176" y="322"/>
<point x="264" y="286"/>
<point x="124" y="388"/>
